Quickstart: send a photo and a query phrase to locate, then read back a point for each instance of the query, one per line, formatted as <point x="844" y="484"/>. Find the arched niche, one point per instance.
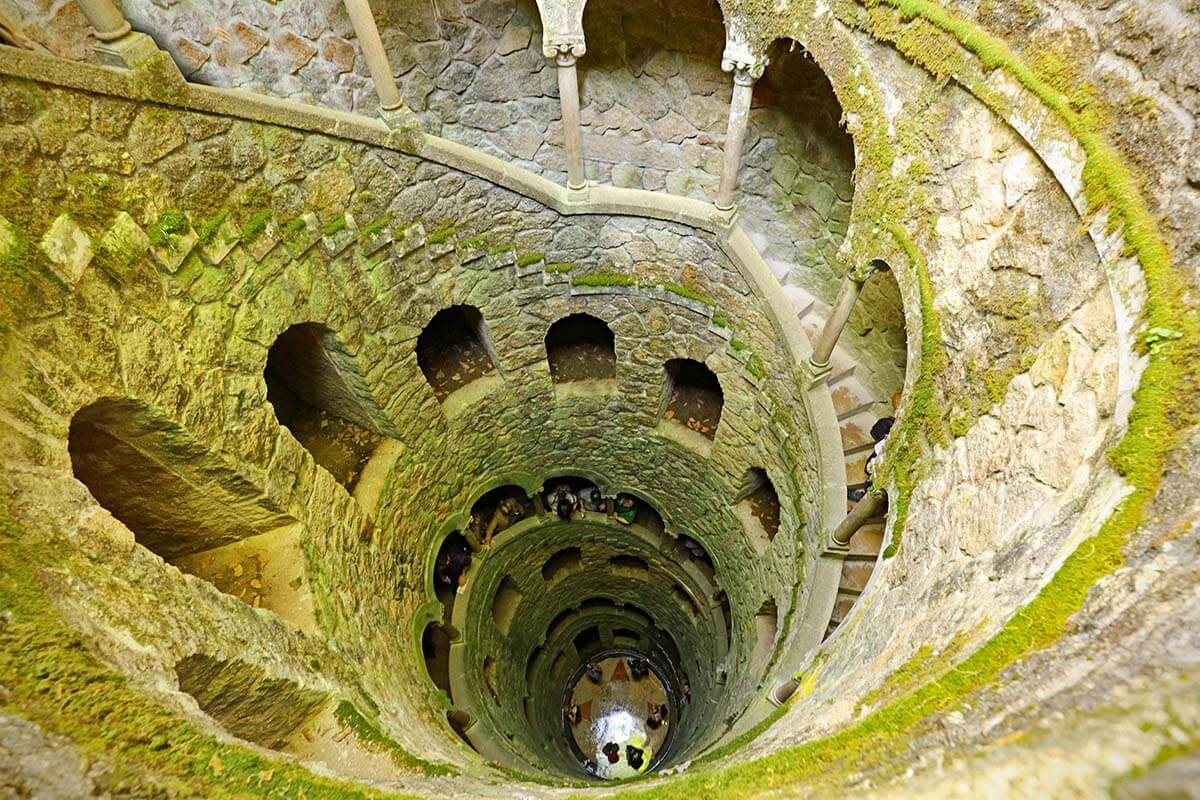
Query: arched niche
<point x="757" y="506"/>
<point x="797" y="173"/>
<point x="176" y="494"/>
<point x="766" y="630"/>
<point x="320" y="396"/>
<point x="561" y="564"/>
<point x="580" y="348"/>
<point x="450" y="570"/>
<point x="435" y="650"/>
<point x="454" y="351"/>
<point x="641" y="55"/>
<point x="692" y="397"/>
<point x="505" y="603"/>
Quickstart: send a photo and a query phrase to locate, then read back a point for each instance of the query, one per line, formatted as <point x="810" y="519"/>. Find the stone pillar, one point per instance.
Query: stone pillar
<point x="105" y="18"/>
<point x="745" y="73"/>
<point x="784" y="691"/>
<point x="863" y="511"/>
<point x="119" y="45"/>
<point x="564" y="55"/>
<point x="372" y="49"/>
<point x="842" y="306"/>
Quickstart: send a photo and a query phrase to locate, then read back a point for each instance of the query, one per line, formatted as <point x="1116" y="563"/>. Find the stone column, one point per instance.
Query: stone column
<point x="119" y="45"/>
<point x="863" y="510"/>
<point x="564" y="55"/>
<point x="784" y="691"/>
<point x="842" y="306"/>
<point x="105" y="18"/>
<point x="372" y="49"/>
<point x="745" y="73"/>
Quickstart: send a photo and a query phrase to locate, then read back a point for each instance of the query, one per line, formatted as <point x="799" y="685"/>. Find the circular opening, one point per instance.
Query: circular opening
<point x="619" y="713"/>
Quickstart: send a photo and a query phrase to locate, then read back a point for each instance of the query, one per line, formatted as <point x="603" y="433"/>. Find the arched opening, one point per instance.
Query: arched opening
<point x="454" y="350"/>
<point x="766" y="628"/>
<point x="435" y="648"/>
<point x="624" y="637"/>
<point x="185" y="503"/>
<point x="562" y="564"/>
<point x="497" y="511"/>
<point x="691" y="549"/>
<point x="246" y="701"/>
<point x="320" y="397"/>
<point x="176" y="495"/>
<point x="642" y="56"/>
<point x="450" y="571"/>
<point x="560" y="619"/>
<point x="587" y="642"/>
<point x="489" y="678"/>
<point x="581" y="347"/>
<point x="530" y="667"/>
<point x="505" y="603"/>
<point x="460" y="721"/>
<point x="580" y="494"/>
<point x="630" y="509"/>
<point x="758" y="507"/>
<point x="684" y="599"/>
<point x="629" y="566"/>
<point x="692" y="397"/>
<point x="796" y="180"/>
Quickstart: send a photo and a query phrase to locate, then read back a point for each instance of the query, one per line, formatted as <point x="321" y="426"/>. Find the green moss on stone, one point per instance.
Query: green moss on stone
<point x="335" y="226"/>
<point x="603" y="278"/>
<point x="375" y="226"/>
<point x="371" y="736"/>
<point x="166" y="230"/>
<point x="690" y="292"/>
<point x="474" y="243"/>
<point x="294" y="227"/>
<point x="525" y="259"/>
<point x="560" y="268"/>
<point x="920" y="418"/>
<point x="440" y="235"/>
<point x="256" y="224"/>
<point x="54" y="680"/>
<point x="208" y="230"/>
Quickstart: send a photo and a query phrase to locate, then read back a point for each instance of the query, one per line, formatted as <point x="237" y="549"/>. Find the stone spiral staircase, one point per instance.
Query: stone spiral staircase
<point x="857" y="409"/>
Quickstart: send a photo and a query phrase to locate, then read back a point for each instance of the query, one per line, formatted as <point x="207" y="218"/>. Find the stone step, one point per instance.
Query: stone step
<point x="855" y="575"/>
<point x="840" y="374"/>
<point x="856" y="472"/>
<point x="868" y="540"/>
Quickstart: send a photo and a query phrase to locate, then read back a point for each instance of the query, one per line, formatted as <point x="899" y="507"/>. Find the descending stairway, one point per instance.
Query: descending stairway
<point x="857" y="410"/>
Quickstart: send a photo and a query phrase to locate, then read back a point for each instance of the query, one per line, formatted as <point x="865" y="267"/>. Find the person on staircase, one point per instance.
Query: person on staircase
<point x="507" y="512"/>
<point x="879" y="434"/>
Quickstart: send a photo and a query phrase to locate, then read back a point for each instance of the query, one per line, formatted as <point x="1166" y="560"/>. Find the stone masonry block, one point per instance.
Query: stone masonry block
<point x="68" y="248"/>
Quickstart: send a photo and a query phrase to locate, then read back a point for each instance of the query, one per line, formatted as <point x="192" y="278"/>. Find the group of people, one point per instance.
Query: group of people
<point x="453" y="564"/>
<point x="639" y="669"/>
<point x="638" y="758"/>
<point x="564" y="502"/>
